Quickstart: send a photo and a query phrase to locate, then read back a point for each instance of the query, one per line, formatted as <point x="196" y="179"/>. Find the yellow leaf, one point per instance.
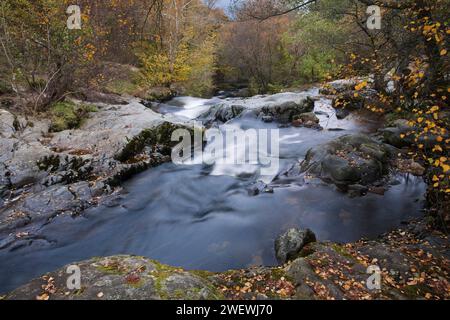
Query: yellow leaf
<point x="437" y="148"/>
<point x="43" y="296"/>
<point x="443" y="52"/>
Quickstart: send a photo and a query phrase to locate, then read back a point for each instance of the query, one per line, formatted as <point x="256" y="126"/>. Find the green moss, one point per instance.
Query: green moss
<point x="179" y="294"/>
<point x="49" y="163"/>
<point x="114" y="268"/>
<point x="150" y="137"/>
<point x="415" y="291"/>
<point x="342" y="251"/>
<point x="78" y="292"/>
<point x="202" y="274"/>
<point x="68" y="115"/>
<point x="163" y="272"/>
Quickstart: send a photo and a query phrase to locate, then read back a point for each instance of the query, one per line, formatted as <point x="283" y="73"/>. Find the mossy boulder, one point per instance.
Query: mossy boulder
<point x="348" y="160"/>
<point x="120" y="277"/>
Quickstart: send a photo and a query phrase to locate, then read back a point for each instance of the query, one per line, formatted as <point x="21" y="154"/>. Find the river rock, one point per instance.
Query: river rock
<point x="120" y="277"/>
<point x="307" y="120"/>
<point x="338" y="86"/>
<point x="342" y="113"/>
<point x="397" y="134"/>
<point x="284" y="113"/>
<point x="290" y="244"/>
<point x="258" y="188"/>
<point x="221" y="113"/>
<point x="308" y="116"/>
<point x="349" y="101"/>
<point x="348" y="160"/>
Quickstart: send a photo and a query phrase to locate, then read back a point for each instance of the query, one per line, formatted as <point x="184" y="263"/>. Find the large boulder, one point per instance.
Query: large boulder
<point x="307" y="119"/>
<point x="285" y="112"/>
<point x="121" y="277"/>
<point x="349" y="100"/>
<point x="401" y="134"/>
<point x="221" y="113"/>
<point x="397" y="134"/>
<point x="289" y="245"/>
<point x="348" y="160"/>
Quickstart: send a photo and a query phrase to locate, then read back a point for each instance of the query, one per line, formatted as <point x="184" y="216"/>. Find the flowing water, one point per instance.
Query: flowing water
<point x="203" y="217"/>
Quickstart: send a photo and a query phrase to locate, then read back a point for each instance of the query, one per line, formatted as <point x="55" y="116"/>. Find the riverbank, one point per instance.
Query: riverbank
<point x="413" y="262"/>
<point x="50" y="179"/>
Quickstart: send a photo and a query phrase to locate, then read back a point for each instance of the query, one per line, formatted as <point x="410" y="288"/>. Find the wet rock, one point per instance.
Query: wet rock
<point x="410" y="166"/>
<point x="349" y="101"/>
<point x="322" y="113"/>
<point x="416" y="168"/>
<point x="258" y="188"/>
<point x="397" y="135"/>
<point x="357" y="190"/>
<point x="342" y="113"/>
<point x="348" y="160"/>
<point x="267" y="119"/>
<point x="289" y="245"/>
<point x="221" y="113"/>
<point x="378" y="190"/>
<point x="284" y="113"/>
<point x="307" y="120"/>
<point x="307" y="116"/>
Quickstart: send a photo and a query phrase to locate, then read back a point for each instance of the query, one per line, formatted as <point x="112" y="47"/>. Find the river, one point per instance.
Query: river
<point x="200" y="216"/>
